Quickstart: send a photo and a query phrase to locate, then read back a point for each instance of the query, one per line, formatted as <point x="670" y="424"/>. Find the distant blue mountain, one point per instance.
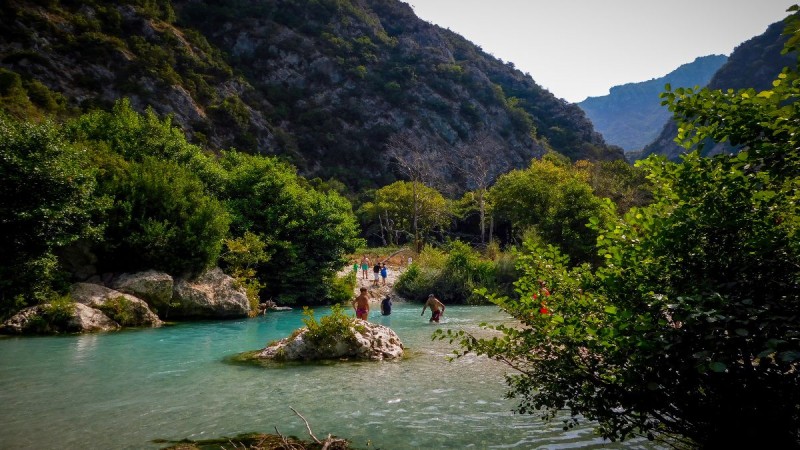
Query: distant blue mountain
<point x="631" y="116"/>
<point x="753" y="64"/>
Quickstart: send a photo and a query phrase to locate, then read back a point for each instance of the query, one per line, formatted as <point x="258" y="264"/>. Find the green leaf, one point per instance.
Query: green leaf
<point x="717" y="366"/>
<point x="610" y="309"/>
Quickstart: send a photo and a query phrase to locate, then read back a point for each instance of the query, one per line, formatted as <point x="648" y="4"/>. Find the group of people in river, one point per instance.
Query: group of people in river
<point x="361" y="306"/>
<point x="361" y="302"/>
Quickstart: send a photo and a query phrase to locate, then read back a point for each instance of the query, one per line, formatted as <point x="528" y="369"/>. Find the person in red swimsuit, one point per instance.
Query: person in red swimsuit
<point x="361" y="305"/>
<point x="437" y="308"/>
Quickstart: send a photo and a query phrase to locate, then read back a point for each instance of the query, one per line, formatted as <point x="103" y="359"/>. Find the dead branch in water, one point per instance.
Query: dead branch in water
<point x="329" y="442"/>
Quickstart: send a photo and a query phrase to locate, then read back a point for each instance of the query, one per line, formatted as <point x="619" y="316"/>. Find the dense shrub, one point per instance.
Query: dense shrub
<point x="453" y="275"/>
<point x="162" y="219"/>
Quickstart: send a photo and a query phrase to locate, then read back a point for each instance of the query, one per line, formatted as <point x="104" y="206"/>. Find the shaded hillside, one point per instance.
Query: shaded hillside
<point x="755" y="63"/>
<point x="631" y="115"/>
<point x="324" y="83"/>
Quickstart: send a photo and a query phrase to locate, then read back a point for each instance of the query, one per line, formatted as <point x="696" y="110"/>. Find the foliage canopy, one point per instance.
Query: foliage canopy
<point x="689" y="329"/>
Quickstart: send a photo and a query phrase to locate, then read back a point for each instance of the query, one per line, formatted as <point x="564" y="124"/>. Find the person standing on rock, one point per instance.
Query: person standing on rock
<point x="376" y="271"/>
<point x="365" y="267"/>
<point x="384" y="273"/>
<point x="361" y="305"/>
<point x="437" y="308"/>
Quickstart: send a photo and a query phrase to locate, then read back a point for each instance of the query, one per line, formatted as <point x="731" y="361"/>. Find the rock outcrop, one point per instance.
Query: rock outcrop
<point x="153" y="287"/>
<point x="212" y="294"/>
<point x="367" y="341"/>
<point x="35" y="319"/>
<point x="125" y="309"/>
<point x="100" y="308"/>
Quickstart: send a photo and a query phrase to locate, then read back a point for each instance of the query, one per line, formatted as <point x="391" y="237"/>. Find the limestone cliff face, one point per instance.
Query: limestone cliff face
<point x="325" y="83"/>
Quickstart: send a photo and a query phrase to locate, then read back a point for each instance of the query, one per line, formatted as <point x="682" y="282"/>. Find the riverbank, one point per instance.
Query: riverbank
<point x="396" y="264"/>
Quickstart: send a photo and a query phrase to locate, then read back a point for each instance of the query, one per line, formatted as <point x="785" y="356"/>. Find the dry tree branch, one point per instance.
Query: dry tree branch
<point x="308" y="427"/>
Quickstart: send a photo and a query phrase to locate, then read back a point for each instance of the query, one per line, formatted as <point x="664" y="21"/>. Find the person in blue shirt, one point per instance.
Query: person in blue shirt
<point x="384" y="273"/>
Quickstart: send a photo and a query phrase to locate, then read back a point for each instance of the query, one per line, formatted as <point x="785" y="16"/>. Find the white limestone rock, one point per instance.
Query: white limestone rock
<point x="212" y="295"/>
<point x="368" y="341"/>
<point x="135" y="310"/>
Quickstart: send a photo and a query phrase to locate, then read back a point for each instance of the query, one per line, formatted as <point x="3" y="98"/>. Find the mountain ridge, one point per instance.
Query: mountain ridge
<point x="753" y="64"/>
<point x="323" y="83"/>
<point x="631" y="115"/>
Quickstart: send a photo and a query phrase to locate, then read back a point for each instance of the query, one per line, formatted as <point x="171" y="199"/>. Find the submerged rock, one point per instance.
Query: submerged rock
<point x="365" y="341"/>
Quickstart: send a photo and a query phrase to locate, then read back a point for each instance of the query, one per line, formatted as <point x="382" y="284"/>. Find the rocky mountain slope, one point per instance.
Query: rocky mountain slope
<point x="323" y="83"/>
<point x="754" y="63"/>
<point x="631" y="115"/>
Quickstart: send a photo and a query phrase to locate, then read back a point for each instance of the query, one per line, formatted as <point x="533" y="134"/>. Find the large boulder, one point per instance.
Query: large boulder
<point x="212" y="295"/>
<point x="153" y="287"/>
<point x="365" y="341"/>
<point x="42" y="319"/>
<point x="124" y="308"/>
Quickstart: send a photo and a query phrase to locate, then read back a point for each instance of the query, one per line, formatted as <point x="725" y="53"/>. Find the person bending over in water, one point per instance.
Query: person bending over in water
<point x="437" y="308"/>
<point x="361" y="305"/>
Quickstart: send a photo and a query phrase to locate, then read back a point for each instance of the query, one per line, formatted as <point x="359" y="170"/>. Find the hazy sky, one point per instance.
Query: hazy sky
<point x="580" y="48"/>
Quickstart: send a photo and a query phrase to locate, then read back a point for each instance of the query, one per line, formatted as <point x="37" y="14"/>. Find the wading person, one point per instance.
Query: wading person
<point x="386" y="306"/>
<point x="437" y="308"/>
<point x="361" y="305"/>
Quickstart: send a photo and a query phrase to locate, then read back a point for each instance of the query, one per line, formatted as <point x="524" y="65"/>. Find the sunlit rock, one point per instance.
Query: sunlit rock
<point x="125" y="309"/>
<point x="365" y="341"/>
<point x="212" y="295"/>
<point x="40" y="319"/>
<point x="151" y="286"/>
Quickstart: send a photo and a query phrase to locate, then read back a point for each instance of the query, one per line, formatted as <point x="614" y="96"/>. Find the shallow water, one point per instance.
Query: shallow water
<point x="125" y="389"/>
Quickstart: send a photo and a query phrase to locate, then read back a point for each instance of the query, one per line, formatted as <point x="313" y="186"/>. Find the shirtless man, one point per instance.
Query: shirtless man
<point x="361" y="305"/>
<point x="437" y="308"/>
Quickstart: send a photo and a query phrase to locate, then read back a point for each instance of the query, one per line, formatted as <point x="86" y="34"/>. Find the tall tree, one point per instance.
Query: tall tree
<point x="475" y="163"/>
<point x="415" y="161"/>
<point x="413" y="210"/>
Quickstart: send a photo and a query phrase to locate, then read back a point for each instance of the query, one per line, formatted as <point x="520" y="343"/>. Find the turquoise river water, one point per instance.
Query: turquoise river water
<point x="125" y="389"/>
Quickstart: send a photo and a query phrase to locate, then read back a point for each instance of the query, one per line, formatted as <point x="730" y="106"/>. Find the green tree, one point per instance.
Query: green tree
<point x="553" y="199"/>
<point x="47" y="199"/>
<point x="689" y="331"/>
<point x="307" y="233"/>
<point x="408" y="211"/>
<point x="162" y="219"/>
<point x="134" y="136"/>
<point x="166" y="214"/>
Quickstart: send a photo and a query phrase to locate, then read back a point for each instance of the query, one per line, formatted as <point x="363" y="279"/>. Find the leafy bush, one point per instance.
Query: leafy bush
<point x="329" y="330"/>
<point x="122" y="311"/>
<point x="53" y="317"/>
<point x="453" y="275"/>
<point x="241" y="257"/>
<point x="341" y="288"/>
<point x="162" y="219"/>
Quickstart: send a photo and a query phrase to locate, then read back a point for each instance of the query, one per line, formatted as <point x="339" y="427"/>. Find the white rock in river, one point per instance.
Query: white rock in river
<point x="367" y="341"/>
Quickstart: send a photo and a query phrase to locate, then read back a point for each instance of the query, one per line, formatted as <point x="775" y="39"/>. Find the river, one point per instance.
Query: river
<point x="125" y="389"/>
